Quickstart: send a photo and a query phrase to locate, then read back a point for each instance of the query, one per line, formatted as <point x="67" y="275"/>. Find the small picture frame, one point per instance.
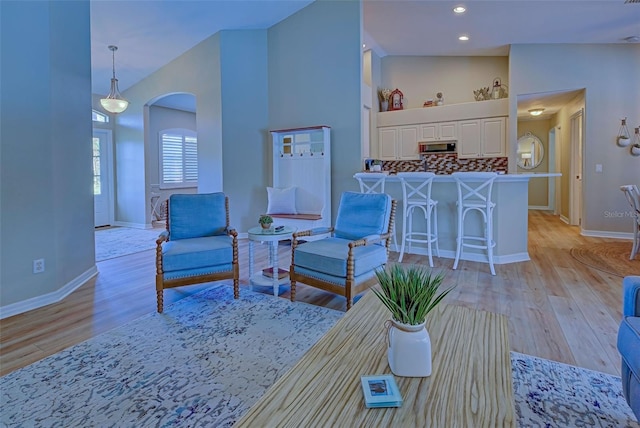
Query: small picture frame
<point x="380" y="391"/>
<point x="396" y="100"/>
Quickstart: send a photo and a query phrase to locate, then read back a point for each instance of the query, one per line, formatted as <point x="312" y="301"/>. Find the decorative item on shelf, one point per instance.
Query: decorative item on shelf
<point x="439" y="99"/>
<point x="428" y="103"/>
<point x="635" y="148"/>
<point x="376" y="165"/>
<point x="265" y="221"/>
<point x="395" y="100"/>
<point x="499" y="89"/>
<point x="409" y="293"/>
<point x="383" y="97"/>
<point x="482" y="94"/>
<point x="114" y="102"/>
<point x="624" y="138"/>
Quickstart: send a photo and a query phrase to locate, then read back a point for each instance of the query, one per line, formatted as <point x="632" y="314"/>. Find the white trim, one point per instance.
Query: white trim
<point x="564" y="219"/>
<point x="475" y="257"/>
<point x="133" y="225"/>
<point x="540" y="207"/>
<point x="607" y="234"/>
<point x="49" y="298"/>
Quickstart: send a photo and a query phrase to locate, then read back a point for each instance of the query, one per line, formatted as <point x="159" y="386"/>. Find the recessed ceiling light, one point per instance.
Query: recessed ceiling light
<point x="463" y="38"/>
<point x="364" y="45"/>
<point x="536" y="111"/>
<point x="459" y="9"/>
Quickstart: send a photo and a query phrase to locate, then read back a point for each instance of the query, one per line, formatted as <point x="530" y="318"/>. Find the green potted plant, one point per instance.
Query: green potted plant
<point x="265" y="221"/>
<point x="409" y="293"/>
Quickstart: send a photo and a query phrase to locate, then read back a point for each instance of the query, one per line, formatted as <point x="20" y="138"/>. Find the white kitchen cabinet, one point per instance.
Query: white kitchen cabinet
<point x="482" y="138"/>
<point x="439" y="131"/>
<point x="398" y="143"/>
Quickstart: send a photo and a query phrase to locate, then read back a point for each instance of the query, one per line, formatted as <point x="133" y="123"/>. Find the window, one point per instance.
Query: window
<point x="178" y="158"/>
<point x="96" y="116"/>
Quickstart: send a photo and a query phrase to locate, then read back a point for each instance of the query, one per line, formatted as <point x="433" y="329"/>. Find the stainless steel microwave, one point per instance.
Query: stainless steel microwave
<point x="437" y="146"/>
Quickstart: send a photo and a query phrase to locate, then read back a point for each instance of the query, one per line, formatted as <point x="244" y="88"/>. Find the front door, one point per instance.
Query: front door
<point x="102" y="205"/>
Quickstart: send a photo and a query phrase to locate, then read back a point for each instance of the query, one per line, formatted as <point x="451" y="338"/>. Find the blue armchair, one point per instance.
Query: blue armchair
<point x="198" y="245"/>
<point x="629" y="342"/>
<point x="346" y="260"/>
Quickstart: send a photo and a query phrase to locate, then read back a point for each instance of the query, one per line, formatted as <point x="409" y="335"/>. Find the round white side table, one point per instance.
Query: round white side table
<point x="272" y="237"/>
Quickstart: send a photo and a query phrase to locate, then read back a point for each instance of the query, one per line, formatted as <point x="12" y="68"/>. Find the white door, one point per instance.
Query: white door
<point x="102" y="193"/>
<point x="575" y="215"/>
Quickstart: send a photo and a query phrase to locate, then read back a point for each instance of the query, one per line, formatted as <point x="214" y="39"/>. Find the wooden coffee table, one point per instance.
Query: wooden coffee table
<point x="470" y="385"/>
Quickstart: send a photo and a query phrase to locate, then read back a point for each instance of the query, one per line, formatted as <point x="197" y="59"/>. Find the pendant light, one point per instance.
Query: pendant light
<point x="114" y="103"/>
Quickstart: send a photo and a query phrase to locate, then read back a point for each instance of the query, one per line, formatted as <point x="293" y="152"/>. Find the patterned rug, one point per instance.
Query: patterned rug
<point x="610" y="257"/>
<point x="121" y="241"/>
<point x="551" y="394"/>
<point x="209" y="357"/>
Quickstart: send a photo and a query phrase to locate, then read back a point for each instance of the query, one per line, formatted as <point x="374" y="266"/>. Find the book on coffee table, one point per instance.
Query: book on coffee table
<point x="268" y="272"/>
<point x="380" y="391"/>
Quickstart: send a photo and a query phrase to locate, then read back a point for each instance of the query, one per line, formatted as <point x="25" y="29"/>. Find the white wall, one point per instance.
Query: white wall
<point x="422" y="77"/>
<point x="46" y="199"/>
<point x="315" y="75"/>
<point x="612" y="92"/>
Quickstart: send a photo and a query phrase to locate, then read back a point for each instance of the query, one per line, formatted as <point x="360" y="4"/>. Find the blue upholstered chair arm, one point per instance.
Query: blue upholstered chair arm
<point x="374" y="239"/>
<point x="313" y="232"/>
<point x="631" y="296"/>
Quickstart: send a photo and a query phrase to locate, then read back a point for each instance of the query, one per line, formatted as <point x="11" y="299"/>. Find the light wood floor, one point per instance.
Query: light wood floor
<point x="557" y="308"/>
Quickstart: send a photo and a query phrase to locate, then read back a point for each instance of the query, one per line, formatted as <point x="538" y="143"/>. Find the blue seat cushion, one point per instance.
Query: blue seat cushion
<point x="629" y="343"/>
<point x="194" y="216"/>
<point x="197" y="253"/>
<point x="329" y="256"/>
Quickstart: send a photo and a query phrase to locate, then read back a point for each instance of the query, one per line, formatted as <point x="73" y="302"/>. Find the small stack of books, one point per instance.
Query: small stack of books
<point x="268" y="272"/>
<point x="380" y="391"/>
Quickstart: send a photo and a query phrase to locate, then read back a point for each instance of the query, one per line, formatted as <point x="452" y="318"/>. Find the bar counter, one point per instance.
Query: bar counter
<point x="510" y="217"/>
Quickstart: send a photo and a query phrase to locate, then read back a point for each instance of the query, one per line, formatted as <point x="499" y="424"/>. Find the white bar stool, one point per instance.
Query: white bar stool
<point x="474" y="194"/>
<point x="373" y="182"/>
<point x="416" y="195"/>
<point x="632" y="194"/>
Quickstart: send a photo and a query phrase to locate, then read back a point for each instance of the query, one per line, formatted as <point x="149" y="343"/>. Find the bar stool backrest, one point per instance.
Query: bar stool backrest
<point x="632" y="194"/>
<point x="475" y="187"/>
<point x="371" y="182"/>
<point x="416" y="187"/>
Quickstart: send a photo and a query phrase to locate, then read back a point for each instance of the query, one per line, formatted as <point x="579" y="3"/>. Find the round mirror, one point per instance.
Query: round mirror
<point x="530" y="151"/>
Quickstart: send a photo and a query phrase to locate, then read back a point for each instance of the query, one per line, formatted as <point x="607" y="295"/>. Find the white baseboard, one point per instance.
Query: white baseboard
<point x="474" y="257"/>
<point x="607" y="234"/>
<point x="564" y="219"/>
<point x="133" y="225"/>
<point x="539" y="207"/>
<point x="49" y="298"/>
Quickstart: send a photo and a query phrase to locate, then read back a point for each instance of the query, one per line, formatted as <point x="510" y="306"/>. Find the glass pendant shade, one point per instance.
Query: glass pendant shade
<point x="114" y="102"/>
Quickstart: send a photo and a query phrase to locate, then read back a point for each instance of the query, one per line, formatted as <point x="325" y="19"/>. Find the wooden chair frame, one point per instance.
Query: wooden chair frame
<point x="162" y="284"/>
<point x="350" y="288"/>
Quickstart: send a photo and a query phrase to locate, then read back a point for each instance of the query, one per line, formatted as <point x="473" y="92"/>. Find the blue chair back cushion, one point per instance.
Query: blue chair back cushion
<point x="195" y="216"/>
<point x="362" y="214"/>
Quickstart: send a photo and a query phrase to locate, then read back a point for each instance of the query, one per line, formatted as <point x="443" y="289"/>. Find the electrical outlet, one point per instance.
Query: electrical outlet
<point x="38" y="266"/>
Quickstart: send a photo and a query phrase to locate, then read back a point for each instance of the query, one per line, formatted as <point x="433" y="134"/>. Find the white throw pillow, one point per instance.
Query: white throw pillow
<point x="281" y="201"/>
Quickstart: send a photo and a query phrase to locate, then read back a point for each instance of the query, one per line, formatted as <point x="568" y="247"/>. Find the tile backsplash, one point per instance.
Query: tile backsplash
<point x="446" y="163"/>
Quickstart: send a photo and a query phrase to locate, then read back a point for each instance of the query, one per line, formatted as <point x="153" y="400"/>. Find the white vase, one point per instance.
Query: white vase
<point x="384" y="105"/>
<point x="635" y="150"/>
<point x="409" y="352"/>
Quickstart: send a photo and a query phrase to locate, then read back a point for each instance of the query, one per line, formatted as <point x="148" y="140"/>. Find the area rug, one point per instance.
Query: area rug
<point x="121" y="241"/>
<point x="551" y="394"/>
<point x="202" y="363"/>
<point x="609" y="257"/>
<point x="208" y="359"/>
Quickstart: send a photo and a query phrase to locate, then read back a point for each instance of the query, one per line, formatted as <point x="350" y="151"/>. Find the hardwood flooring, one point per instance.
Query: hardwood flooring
<point x="557" y="308"/>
